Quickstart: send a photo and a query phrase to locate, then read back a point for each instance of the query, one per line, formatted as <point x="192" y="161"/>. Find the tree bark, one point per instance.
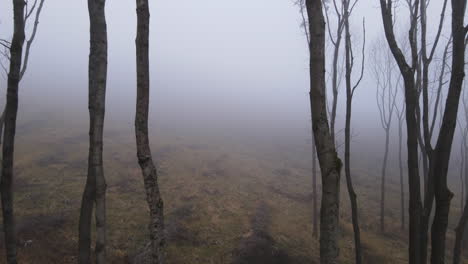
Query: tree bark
<point x="95" y="189"/>
<point x="459" y="233"/>
<point x="407" y="71"/>
<point x="400" y="166"/>
<point x="145" y="160"/>
<point x="330" y="164"/>
<point x="2" y="121"/>
<point x="443" y="147"/>
<point x="314" y="189"/>
<point x="349" y="100"/>
<point x="11" y="109"/>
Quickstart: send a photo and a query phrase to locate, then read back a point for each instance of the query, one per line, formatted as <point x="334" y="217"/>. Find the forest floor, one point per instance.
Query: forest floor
<point x="224" y="202"/>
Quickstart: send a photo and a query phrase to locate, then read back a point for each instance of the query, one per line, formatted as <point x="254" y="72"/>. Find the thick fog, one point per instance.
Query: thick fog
<point x="236" y="68"/>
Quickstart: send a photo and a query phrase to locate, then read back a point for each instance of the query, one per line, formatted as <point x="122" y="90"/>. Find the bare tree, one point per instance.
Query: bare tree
<point x="36" y="9"/>
<point x="335" y="37"/>
<point x="150" y="176"/>
<point x="8" y="118"/>
<point x="330" y="164"/>
<point x="441" y="153"/>
<point x="460" y="230"/>
<point x="95" y="189"/>
<point x="350" y="89"/>
<point x="411" y="98"/>
<point x="386" y="94"/>
<point x="11" y="109"/>
<point x="315" y="229"/>
<point x="427" y="150"/>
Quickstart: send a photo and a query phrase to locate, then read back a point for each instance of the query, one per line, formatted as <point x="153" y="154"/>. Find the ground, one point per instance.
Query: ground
<point x="224" y="201"/>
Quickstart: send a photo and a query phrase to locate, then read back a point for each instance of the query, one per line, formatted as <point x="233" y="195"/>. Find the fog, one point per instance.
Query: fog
<point x="238" y="69"/>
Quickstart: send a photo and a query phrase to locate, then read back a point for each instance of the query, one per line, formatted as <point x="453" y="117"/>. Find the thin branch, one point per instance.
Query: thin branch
<point x="31" y="39"/>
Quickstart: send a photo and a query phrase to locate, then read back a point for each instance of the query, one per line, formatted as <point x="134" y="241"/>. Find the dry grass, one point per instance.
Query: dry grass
<point x="224" y="203"/>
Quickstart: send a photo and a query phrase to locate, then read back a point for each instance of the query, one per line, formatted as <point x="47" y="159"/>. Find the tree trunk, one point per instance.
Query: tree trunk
<point x="459" y="232"/>
<point x="95" y="189"/>
<point x="330" y="164"/>
<point x="150" y="176"/>
<point x="407" y="71"/>
<point x="16" y="51"/>
<point x="336" y="54"/>
<point x="400" y="165"/>
<point x="314" y="189"/>
<point x="2" y="121"/>
<point x="382" y="185"/>
<point x="443" y="147"/>
<point x="349" y="100"/>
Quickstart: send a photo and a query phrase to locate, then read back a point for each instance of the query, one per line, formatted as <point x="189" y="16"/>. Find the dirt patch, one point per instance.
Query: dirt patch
<point x="76" y="139"/>
<point x="258" y="246"/>
<point x="282" y="172"/>
<point x="47" y="160"/>
<point x="165" y="152"/>
<point x="300" y="198"/>
<point x="176" y="227"/>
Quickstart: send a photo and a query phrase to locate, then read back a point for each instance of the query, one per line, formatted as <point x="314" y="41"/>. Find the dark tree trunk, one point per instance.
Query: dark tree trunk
<point x="2" y="121"/>
<point x="330" y="164"/>
<point x="400" y="166"/>
<point x="14" y="76"/>
<point x="314" y="189"/>
<point x="336" y="54"/>
<point x="443" y="147"/>
<point x="459" y="232"/>
<point x="407" y="71"/>
<point x="95" y="189"/>
<point x="150" y="176"/>
<point x="349" y="100"/>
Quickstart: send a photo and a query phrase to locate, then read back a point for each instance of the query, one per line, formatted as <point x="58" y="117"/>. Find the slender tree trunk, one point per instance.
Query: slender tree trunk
<point x="314" y="188"/>
<point x="330" y="164"/>
<point x="95" y="189"/>
<point x="462" y="168"/>
<point x="465" y="235"/>
<point x="336" y="54"/>
<point x="407" y="71"/>
<point x="16" y="51"/>
<point x="443" y="148"/>
<point x="459" y="233"/>
<point x="2" y="121"/>
<point x="400" y="163"/>
<point x="349" y="100"/>
<point x="382" y="185"/>
<point x="150" y="176"/>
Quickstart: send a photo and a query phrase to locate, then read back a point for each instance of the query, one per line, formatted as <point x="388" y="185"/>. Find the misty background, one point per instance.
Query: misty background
<point x="236" y="70"/>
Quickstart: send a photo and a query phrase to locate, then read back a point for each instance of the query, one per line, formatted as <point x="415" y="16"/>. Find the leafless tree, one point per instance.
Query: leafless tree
<point x="411" y="98"/>
<point x="386" y="94"/>
<point x="16" y="71"/>
<point x="330" y="164"/>
<point x="150" y="176"/>
<point x="335" y="37"/>
<point x="315" y="229"/>
<point x="36" y="9"/>
<point x="11" y="109"/>
<point x="350" y="89"/>
<point x="460" y="230"/>
<point x="95" y="189"/>
<point x="439" y="155"/>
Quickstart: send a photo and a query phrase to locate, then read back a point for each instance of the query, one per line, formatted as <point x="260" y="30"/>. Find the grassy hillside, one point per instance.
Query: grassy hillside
<point x="224" y="202"/>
